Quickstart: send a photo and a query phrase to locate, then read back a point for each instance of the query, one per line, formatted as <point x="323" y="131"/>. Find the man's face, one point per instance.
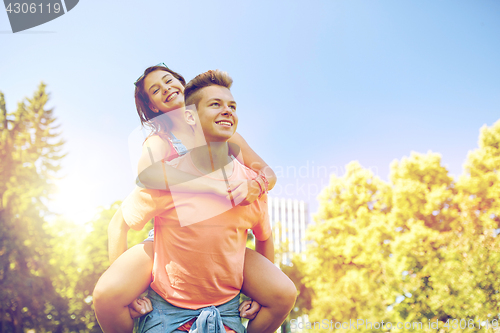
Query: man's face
<point x="217" y="113"/>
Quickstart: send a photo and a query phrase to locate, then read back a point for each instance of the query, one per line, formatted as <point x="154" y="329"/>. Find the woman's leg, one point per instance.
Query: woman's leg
<point x="122" y="283"/>
<point x="271" y="288"/>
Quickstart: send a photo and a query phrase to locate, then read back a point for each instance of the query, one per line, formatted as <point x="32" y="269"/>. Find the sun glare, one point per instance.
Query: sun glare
<point x="74" y="200"/>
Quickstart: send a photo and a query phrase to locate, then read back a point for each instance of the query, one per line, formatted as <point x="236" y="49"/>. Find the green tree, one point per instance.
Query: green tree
<point x="295" y="272"/>
<point x="47" y="269"/>
<point x="422" y="216"/>
<point x="84" y="260"/>
<point x="473" y="245"/>
<point x="450" y="252"/>
<point x="66" y="244"/>
<point x="421" y="247"/>
<point x="345" y="264"/>
<point x="30" y="149"/>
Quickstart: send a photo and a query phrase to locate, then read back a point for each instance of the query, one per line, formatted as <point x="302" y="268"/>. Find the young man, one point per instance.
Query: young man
<point x="198" y="262"/>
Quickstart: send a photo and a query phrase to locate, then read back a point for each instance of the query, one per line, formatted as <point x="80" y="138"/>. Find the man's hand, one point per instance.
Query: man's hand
<point x="249" y="309"/>
<point x="140" y="307"/>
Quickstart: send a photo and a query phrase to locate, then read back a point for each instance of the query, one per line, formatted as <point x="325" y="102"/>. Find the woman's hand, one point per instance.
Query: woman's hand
<point x="140" y="307"/>
<point x="245" y="193"/>
<point x="249" y="309"/>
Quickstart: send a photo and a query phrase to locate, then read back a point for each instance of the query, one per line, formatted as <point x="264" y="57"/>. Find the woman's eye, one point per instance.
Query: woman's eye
<point x="215" y="104"/>
<point x="154" y="92"/>
<point x="168" y="81"/>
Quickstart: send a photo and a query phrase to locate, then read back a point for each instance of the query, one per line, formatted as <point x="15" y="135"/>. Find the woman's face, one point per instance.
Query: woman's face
<point x="165" y="92"/>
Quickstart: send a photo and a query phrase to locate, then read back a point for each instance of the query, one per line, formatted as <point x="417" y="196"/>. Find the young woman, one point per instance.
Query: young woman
<point x="159" y="92"/>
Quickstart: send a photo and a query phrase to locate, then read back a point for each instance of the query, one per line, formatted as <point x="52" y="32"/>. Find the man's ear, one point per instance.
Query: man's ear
<point x="190" y="117"/>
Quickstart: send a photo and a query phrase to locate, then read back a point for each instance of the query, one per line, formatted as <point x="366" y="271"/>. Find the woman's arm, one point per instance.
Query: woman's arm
<point x="250" y="158"/>
<point x="151" y="167"/>
<point x="250" y="190"/>
<point x="160" y="176"/>
<point x="155" y="174"/>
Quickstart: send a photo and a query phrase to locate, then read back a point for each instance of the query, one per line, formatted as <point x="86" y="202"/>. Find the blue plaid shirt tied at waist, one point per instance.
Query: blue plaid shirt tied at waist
<point x="166" y="318"/>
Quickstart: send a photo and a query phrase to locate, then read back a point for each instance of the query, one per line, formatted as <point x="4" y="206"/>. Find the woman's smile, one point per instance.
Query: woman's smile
<point x="165" y="92"/>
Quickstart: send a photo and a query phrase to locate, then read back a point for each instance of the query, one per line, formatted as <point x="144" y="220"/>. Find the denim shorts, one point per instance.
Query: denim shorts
<point x="166" y="318"/>
<point x="151" y="236"/>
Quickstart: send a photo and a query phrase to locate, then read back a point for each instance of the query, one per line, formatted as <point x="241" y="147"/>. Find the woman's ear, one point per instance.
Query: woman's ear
<point x="153" y="108"/>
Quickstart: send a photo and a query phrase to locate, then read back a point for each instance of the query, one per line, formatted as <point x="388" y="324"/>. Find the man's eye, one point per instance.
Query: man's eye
<point x="215" y="104"/>
<point x="233" y="107"/>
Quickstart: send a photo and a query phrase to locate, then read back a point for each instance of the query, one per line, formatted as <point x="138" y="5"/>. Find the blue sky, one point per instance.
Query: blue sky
<point x="318" y="84"/>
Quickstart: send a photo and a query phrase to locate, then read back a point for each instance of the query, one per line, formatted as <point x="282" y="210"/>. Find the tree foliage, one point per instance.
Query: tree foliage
<point x="420" y="247"/>
<point x="48" y="270"/>
<point x="84" y="259"/>
<point x="30" y="148"/>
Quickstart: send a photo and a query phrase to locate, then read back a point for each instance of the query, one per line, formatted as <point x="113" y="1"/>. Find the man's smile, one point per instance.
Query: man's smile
<point x="225" y="123"/>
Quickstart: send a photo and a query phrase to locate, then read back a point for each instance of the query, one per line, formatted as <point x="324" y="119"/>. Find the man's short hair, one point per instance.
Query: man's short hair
<point x="192" y="92"/>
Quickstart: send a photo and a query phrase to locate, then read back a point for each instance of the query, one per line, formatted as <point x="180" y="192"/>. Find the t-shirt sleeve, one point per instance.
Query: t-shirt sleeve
<point x="140" y="206"/>
<point x="262" y="229"/>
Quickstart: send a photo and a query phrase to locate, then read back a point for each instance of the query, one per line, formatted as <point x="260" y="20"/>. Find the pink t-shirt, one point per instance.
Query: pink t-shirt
<point x="199" y="262"/>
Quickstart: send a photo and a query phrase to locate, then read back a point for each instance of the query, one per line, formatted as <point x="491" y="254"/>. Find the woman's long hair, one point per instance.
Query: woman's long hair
<point x="149" y="118"/>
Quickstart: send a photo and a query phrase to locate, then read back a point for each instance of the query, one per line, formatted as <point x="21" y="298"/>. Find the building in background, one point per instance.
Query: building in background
<point x="289" y="220"/>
